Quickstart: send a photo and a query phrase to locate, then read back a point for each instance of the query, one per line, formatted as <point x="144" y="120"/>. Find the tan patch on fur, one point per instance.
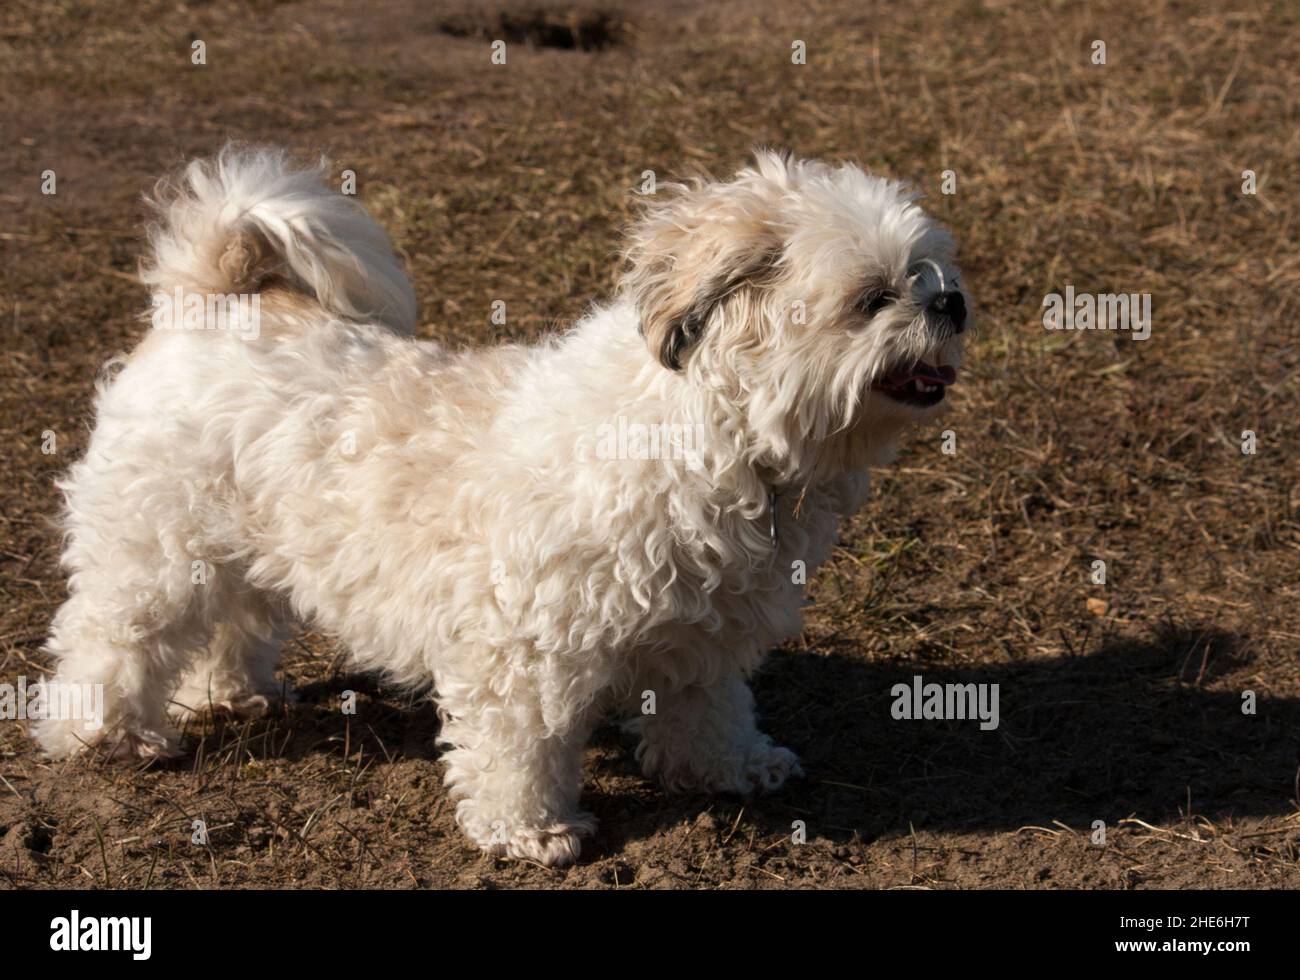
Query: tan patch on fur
<point x="689" y="253"/>
<point x="248" y="261"/>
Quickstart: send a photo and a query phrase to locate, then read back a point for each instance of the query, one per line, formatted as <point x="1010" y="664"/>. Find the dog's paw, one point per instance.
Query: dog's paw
<point x="145" y="745"/>
<point x="556" y="845"/>
<point x="63" y="738"/>
<point x="759" y="767"/>
<point x="189" y="706"/>
<point x="767" y="768"/>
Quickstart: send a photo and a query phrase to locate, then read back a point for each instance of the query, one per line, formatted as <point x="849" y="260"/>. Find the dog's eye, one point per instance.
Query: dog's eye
<point x="875" y="301"/>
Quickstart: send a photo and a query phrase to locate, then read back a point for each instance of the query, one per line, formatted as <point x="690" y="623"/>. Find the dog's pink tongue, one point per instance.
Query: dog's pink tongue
<point x="943" y="374"/>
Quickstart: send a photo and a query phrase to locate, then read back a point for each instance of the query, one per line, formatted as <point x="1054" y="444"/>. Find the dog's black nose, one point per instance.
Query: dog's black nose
<point x="953" y="306"/>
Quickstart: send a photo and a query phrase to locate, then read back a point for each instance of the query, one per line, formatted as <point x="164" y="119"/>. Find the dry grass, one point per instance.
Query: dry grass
<point x="512" y="182"/>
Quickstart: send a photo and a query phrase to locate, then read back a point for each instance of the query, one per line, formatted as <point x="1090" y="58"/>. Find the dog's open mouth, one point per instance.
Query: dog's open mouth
<point x="919" y="384"/>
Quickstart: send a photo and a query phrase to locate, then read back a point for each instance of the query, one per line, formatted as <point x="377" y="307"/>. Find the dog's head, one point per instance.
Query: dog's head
<point x="819" y="302"/>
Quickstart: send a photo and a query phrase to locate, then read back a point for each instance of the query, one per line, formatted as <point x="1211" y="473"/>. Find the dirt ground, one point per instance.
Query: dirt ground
<point x="1120" y="703"/>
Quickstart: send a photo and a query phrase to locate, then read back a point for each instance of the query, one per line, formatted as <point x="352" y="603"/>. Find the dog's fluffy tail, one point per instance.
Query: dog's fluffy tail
<point x="249" y="220"/>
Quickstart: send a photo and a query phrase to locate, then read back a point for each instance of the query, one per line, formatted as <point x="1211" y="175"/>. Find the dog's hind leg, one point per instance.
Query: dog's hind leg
<point x="144" y="594"/>
<point x="124" y="643"/>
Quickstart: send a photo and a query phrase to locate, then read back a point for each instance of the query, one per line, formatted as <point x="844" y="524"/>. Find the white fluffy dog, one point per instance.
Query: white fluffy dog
<point x="538" y="535"/>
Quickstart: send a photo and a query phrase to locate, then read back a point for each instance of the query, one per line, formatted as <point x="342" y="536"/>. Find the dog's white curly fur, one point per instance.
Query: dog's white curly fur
<point x="450" y="515"/>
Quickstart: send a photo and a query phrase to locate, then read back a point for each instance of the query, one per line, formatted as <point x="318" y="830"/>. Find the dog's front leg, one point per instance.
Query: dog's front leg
<point x="704" y="737"/>
<point x="517" y="784"/>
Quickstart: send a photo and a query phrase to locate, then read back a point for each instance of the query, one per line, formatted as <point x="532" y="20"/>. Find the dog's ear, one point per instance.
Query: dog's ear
<point x="688" y="253"/>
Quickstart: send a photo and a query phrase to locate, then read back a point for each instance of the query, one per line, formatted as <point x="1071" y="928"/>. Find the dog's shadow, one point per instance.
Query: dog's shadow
<point x="1127" y="730"/>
